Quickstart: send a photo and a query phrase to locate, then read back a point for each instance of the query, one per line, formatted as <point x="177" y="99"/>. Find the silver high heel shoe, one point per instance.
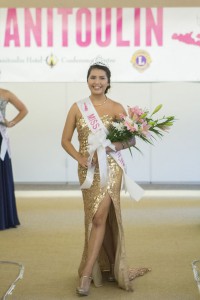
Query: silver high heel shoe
<point x="84" y="286"/>
<point x="111" y="277"/>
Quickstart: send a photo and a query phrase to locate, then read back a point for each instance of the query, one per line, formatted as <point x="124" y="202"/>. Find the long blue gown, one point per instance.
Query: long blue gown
<point x="8" y="209"/>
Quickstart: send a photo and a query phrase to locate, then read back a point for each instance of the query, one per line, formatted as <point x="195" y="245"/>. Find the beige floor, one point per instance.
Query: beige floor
<point x="163" y="234"/>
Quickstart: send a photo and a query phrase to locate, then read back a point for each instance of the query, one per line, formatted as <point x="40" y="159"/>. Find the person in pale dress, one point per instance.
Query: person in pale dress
<point x="104" y="249"/>
<point x="8" y="209"/>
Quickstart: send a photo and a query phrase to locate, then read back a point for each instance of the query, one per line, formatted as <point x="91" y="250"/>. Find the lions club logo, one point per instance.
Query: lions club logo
<point x="141" y="60"/>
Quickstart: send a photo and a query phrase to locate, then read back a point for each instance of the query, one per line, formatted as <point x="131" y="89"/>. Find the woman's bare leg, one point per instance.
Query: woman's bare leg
<point x="97" y="234"/>
<point x="108" y="244"/>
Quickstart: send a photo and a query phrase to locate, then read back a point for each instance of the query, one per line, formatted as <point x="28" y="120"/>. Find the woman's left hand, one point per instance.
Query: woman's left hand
<point x="118" y="146"/>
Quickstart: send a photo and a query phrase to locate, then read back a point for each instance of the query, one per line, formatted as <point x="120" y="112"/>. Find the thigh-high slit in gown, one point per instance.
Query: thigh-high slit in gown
<point x="92" y="198"/>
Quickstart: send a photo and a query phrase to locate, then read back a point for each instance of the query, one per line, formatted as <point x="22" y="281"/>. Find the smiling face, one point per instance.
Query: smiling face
<point x="97" y="81"/>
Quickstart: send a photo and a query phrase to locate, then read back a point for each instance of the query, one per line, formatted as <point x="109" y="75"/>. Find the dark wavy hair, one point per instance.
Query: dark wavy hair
<point x="103" y="67"/>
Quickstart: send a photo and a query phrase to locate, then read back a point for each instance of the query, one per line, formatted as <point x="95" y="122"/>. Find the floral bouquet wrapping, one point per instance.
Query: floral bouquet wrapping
<point x="140" y="123"/>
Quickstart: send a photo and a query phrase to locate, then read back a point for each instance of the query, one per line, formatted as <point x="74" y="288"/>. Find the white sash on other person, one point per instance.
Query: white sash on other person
<point x="5" y="145"/>
<point x="97" y="142"/>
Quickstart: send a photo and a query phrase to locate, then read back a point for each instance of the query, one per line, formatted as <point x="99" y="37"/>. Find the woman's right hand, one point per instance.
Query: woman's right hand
<point x="9" y="123"/>
<point x="82" y="160"/>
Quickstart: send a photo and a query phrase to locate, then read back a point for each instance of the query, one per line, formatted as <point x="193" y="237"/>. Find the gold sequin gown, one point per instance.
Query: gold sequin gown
<point x="92" y="198"/>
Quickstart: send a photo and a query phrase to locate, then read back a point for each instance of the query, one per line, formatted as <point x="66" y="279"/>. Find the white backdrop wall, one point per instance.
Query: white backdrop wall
<point x="38" y="157"/>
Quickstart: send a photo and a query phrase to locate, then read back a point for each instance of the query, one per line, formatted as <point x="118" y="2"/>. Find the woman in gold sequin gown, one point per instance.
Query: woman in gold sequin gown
<point x="104" y="248"/>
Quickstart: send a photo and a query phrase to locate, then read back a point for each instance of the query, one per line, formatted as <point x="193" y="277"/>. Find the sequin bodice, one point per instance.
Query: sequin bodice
<point x="83" y="131"/>
<point x="3" y="104"/>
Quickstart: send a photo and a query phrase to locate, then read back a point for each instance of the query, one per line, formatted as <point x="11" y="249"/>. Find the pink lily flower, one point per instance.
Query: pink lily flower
<point x="131" y="127"/>
<point x="145" y="129"/>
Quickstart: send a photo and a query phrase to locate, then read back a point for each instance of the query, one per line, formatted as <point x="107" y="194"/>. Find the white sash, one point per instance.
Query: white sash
<point x="97" y="142"/>
<point x="5" y="145"/>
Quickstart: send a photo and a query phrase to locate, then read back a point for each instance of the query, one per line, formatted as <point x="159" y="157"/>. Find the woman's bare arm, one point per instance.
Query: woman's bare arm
<point x="67" y="134"/>
<point x="22" y="110"/>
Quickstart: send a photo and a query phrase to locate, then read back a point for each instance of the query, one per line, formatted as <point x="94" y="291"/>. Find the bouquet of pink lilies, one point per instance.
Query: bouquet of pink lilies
<point x="140" y="123"/>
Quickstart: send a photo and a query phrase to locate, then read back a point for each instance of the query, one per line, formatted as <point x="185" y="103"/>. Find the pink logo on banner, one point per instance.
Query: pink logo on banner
<point x="187" y="38"/>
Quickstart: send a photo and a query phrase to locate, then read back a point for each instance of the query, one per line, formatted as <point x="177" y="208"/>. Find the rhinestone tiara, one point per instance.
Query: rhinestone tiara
<point x="99" y="60"/>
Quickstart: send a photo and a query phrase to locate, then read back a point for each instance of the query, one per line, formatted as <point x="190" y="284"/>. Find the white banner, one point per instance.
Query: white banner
<point x="138" y="44"/>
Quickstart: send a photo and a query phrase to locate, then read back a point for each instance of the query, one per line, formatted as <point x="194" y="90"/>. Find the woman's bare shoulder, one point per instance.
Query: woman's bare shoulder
<point x="9" y="96"/>
<point x="117" y="107"/>
<point x="5" y="94"/>
<point x="74" y="111"/>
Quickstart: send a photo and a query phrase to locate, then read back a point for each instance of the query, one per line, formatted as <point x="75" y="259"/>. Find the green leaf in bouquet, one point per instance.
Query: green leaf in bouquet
<point x="157" y="132"/>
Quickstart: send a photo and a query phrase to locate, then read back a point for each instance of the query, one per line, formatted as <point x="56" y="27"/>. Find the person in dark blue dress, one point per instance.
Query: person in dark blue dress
<point x="8" y="209"/>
